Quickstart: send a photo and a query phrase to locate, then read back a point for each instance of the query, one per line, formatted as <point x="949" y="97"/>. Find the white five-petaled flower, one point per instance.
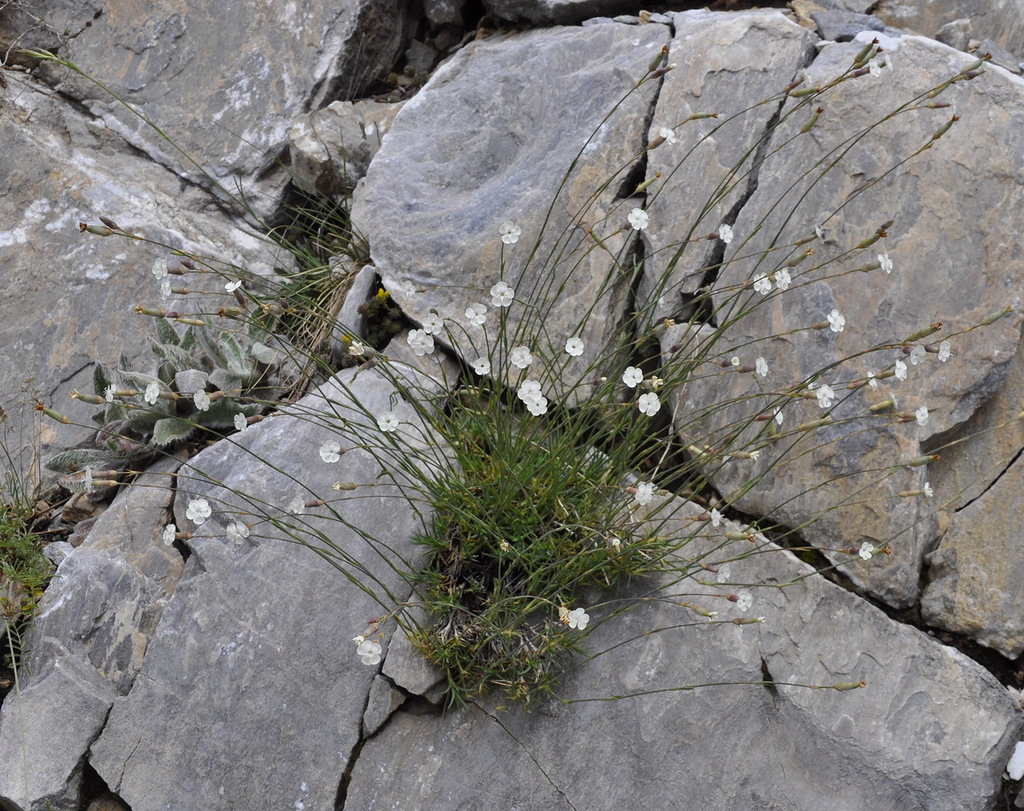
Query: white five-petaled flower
<point x="836" y="321"/>
<point x="668" y="134"/>
<point x="884" y="262"/>
<point x="928" y="490"/>
<point x="716" y="517"/>
<point x="520" y="357"/>
<point x="574" y="347"/>
<point x="198" y="511"/>
<point x="921" y="415"/>
<point x="825" y="395"/>
<point x="368" y="651"/>
<point x="761" y="367"/>
<point x="170" y="531"/>
<point x="510" y="232"/>
<point x="901" y="370"/>
<point x="159" y="269"/>
<point x="917" y="354"/>
<point x="241" y="423"/>
<point x="783" y="279"/>
<point x="501" y="295"/>
<point x="420" y="342"/>
<point x="388" y="421"/>
<point x="538" y="406"/>
<point x="723" y="573"/>
<point x="945" y="350"/>
<point x="433" y="324"/>
<point x="152" y="393"/>
<point x="237" y="532"/>
<point x="644" y="493"/>
<point x="638" y="219"/>
<point x="649" y="404"/>
<point x="476" y="314"/>
<point x="528" y="390"/>
<point x="357" y="349"/>
<point x="778" y="416"/>
<point x="231" y="287"/>
<point x="482" y="366"/>
<point x="866" y="550"/>
<point x="202" y="400"/>
<point x="330" y="451"/>
<point x="632" y="377"/>
<point x="872" y="380"/>
<point x="297" y="506"/>
<point x="744" y="601"/>
<point x="725" y="233"/>
<point x="577" y="618"/>
<point x="763" y="285"/>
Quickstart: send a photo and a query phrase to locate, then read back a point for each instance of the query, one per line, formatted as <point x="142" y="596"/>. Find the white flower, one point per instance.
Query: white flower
<point x="420" y="342"/>
<point x="577" y="618"/>
<point x="152" y="393"/>
<point x="668" y="135"/>
<point x="357" y="349"/>
<point x="159" y="269"/>
<point x="538" y="406"/>
<point x="169" y="532"/>
<point x="761" y="367"/>
<point x="917" y="354"/>
<point x="901" y="370"/>
<point x="202" y="400"/>
<point x="510" y="232"/>
<point x="885" y="262"/>
<point x="241" y="423"/>
<point x="763" y="285"/>
<point x="866" y="550"/>
<point x="231" y="287"/>
<point x="237" y="532"/>
<point x="198" y="511"/>
<point x="836" y="321"/>
<point x="895" y="403"/>
<point x="369" y="652"/>
<point x="723" y="573"/>
<point x="922" y="415"/>
<point x="330" y="451"/>
<point x="735" y="361"/>
<point x="945" y="350"/>
<point x="529" y="390"/>
<point x="108" y="394"/>
<point x="725" y="233"/>
<point x="388" y="421"/>
<point x="778" y="416"/>
<point x="644" y="493"/>
<point x="783" y="279"/>
<point x="574" y="347"/>
<point x="746" y="599"/>
<point x="520" y="356"/>
<point x="433" y="324"/>
<point x="825" y="395"/>
<point x="716" y="517"/>
<point x="501" y="295"/>
<point x="482" y="366"/>
<point x="755" y="455"/>
<point x="872" y="380"/>
<point x="476" y="314"/>
<point x="297" y="506"/>
<point x="649" y="404"/>
<point x="165" y="287"/>
<point x="638" y="219"/>
<point x="632" y="377"/>
<point x="928" y="490"/>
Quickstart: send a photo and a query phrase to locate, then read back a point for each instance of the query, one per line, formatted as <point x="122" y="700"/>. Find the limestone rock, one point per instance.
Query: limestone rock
<point x="259" y="67"/>
<point x="76" y="292"/>
<point x="949" y="189"/>
<point x="248" y="617"/>
<point x="431" y="204"/>
<point x="555" y="12"/>
<point x="903" y="741"/>
<point x="999" y="20"/>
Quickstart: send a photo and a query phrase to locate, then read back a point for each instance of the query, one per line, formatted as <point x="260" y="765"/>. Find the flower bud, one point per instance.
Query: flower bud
<point x="812" y="121"/>
<point x="931" y="329"/>
<point x="110" y="223"/>
<point x="944" y="128"/>
<point x="344" y="486"/>
<point x="92" y="399"/>
<point x="98" y="230"/>
<point x="195" y="322"/>
<point x="151" y="311"/>
<point x="746" y="620"/>
<point x="810" y="426"/>
<point x="658" y="60"/>
<point x="921" y="461"/>
<point x="849" y="685"/>
<point x="996" y="316"/>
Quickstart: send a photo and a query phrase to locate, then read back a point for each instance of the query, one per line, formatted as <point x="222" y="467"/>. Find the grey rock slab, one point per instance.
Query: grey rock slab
<point x="254" y="656"/>
<point x="555" y="12"/>
<point x="87" y="643"/>
<point x="258" y="66"/>
<point x="999" y="20"/>
<point x="841" y="26"/>
<point x="929" y="730"/>
<point x="951" y="189"/>
<point x="489" y="139"/>
<point x="71" y="295"/>
<point x="727" y="63"/>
